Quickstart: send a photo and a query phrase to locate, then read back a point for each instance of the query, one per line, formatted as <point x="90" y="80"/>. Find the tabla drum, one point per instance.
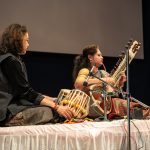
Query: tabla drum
<point x="62" y="94"/>
<point x="97" y="101"/>
<point x="78" y="101"/>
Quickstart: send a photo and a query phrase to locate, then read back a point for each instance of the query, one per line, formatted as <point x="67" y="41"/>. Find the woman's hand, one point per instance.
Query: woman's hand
<point x="123" y="79"/>
<point x="109" y="80"/>
<point x="65" y="111"/>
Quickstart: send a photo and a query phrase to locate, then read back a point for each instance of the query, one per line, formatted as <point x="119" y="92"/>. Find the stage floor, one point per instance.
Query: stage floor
<point x="104" y="135"/>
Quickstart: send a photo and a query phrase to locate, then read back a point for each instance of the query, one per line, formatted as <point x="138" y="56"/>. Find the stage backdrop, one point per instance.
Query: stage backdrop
<point x="66" y="26"/>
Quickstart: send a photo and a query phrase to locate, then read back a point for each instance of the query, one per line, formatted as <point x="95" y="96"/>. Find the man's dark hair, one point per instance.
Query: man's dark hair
<point x="11" y="40"/>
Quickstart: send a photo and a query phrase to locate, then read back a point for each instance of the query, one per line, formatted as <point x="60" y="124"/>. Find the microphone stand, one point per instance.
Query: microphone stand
<point x="105" y="94"/>
<point x="128" y="97"/>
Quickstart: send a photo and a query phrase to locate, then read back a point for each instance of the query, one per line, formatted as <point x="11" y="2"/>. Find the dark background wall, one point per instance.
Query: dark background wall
<point x="51" y="72"/>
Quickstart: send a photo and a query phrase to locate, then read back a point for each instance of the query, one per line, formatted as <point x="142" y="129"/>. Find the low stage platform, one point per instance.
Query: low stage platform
<point x="104" y="135"/>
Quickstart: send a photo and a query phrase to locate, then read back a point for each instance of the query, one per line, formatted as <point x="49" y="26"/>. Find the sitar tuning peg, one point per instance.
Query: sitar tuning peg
<point x="126" y="46"/>
<point x="120" y="56"/>
<point x="123" y="53"/>
<point x="129" y="43"/>
<point x="131" y="40"/>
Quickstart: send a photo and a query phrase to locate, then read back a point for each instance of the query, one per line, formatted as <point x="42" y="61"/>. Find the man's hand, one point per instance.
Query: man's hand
<point x="66" y="112"/>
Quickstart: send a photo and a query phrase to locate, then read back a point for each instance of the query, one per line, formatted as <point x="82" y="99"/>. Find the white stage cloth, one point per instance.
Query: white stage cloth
<point x="111" y="135"/>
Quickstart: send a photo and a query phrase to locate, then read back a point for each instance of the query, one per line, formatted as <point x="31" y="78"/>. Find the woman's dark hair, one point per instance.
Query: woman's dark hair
<point x="82" y="61"/>
<point x="11" y="40"/>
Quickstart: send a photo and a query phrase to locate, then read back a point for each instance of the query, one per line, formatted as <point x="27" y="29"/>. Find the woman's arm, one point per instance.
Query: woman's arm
<point x="123" y="79"/>
<point x="82" y="76"/>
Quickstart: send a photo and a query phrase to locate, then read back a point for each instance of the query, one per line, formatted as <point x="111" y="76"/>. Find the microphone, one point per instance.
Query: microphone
<point x="85" y="83"/>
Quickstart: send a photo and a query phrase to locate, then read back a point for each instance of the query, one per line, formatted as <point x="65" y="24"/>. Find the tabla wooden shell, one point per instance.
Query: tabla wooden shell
<point x="62" y="94"/>
<point x="78" y="101"/>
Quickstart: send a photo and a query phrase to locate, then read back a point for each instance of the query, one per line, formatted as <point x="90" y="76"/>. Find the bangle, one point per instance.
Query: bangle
<point x="56" y="106"/>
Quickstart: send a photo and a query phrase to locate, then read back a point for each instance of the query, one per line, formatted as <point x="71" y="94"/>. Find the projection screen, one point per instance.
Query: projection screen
<point x="66" y="26"/>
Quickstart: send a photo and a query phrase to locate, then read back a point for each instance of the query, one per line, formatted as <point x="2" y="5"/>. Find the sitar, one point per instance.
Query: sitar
<point x="120" y="66"/>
